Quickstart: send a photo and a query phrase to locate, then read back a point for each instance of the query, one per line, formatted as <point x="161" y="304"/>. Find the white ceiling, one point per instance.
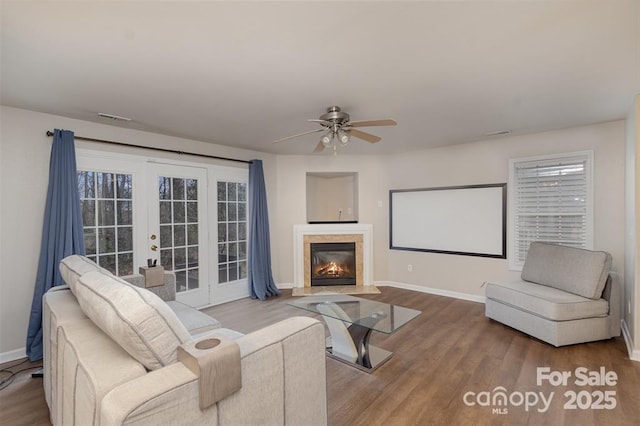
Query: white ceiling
<point x="244" y="74"/>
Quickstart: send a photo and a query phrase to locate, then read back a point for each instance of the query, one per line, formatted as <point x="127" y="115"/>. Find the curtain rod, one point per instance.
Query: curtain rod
<point x="173" y="151"/>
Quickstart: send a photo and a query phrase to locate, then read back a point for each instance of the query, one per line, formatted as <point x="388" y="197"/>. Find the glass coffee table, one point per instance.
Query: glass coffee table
<point x="350" y="321"/>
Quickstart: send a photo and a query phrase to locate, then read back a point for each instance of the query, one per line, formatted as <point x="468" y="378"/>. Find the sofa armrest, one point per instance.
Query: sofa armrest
<point x="613" y="294"/>
<point x="283" y="382"/>
<point x="166" y="292"/>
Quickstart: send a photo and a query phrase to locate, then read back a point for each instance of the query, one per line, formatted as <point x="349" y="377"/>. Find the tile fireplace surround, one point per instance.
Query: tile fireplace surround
<point x="361" y="234"/>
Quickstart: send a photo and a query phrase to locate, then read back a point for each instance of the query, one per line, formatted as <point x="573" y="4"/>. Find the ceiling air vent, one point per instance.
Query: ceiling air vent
<point x="113" y="117"/>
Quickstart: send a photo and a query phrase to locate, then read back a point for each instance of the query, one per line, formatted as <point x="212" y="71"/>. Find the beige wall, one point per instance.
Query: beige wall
<point x="23" y="182"/>
<point x="473" y="163"/>
<point x="24" y="156"/>
<point x="487" y="162"/>
<point x="631" y="301"/>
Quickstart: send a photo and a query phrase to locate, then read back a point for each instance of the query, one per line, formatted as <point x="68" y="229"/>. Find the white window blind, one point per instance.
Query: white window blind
<point x="550" y="201"/>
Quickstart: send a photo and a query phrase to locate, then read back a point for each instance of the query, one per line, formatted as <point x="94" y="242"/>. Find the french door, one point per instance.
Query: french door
<point x="189" y="218"/>
<point x="231" y="234"/>
<point x="177" y="228"/>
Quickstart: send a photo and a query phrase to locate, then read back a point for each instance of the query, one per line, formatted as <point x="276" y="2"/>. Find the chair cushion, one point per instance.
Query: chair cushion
<point x="546" y="302"/>
<point x="74" y="266"/>
<point x="135" y="318"/>
<point x="578" y="271"/>
<point x="195" y="321"/>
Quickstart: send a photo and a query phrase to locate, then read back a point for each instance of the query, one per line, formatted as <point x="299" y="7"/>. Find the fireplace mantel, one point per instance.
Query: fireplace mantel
<point x="300" y="231"/>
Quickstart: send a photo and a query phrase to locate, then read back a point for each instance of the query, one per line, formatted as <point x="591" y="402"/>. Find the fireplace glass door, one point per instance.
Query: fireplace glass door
<point x="333" y="264"/>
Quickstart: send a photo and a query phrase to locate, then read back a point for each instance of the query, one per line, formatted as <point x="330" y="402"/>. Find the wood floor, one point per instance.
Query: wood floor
<point x="449" y="351"/>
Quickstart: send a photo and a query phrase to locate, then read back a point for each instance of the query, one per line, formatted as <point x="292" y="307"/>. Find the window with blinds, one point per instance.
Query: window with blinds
<point x="550" y="200"/>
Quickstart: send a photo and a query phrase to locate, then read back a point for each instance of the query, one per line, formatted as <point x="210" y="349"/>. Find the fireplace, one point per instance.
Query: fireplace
<point x="334" y="239"/>
<point x="333" y="263"/>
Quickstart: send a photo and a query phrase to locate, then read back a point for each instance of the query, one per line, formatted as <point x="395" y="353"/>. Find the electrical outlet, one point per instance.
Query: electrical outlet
<point x="410" y="268"/>
<point x="629" y="307"/>
<point x="379" y="203"/>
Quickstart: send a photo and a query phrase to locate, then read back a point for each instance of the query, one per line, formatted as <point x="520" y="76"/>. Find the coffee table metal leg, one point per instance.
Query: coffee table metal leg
<point x="342" y="344"/>
<point x="351" y="344"/>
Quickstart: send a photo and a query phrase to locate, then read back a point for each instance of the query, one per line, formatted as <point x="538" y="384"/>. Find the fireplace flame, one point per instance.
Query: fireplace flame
<point x="331" y="269"/>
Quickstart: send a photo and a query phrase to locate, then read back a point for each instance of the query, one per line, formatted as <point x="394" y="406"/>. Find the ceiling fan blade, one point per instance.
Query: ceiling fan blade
<point x="365" y="136"/>
<point x="322" y="122"/>
<point x="385" y="122"/>
<point x="319" y="147"/>
<point x="299" y="134"/>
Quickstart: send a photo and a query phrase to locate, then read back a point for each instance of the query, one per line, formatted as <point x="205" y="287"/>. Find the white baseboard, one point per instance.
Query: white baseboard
<point x="285" y="285"/>
<point x="634" y="354"/>
<point x="13" y="355"/>
<point x="430" y="290"/>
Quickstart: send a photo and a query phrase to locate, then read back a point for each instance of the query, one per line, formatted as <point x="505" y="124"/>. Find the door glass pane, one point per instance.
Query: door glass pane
<point x="192" y="189"/>
<point x="106" y="201"/>
<point x="86" y="184"/>
<point x="106" y="212"/>
<point x="222" y="191"/>
<point x="242" y="267"/>
<point x="192" y="257"/>
<point x="125" y="238"/>
<point x="90" y="240"/>
<point x="165" y="211"/>
<point x="179" y="240"/>
<point x="179" y="237"/>
<point x="222" y="253"/>
<point x="88" y="212"/>
<point x="232" y="191"/>
<point x="125" y="263"/>
<point x="222" y="232"/>
<point x="105" y="185"/>
<point x="108" y="261"/>
<point x="192" y="212"/>
<point x="166" y="259"/>
<point x="124" y="186"/>
<point x="232" y="211"/>
<point x="222" y="273"/>
<point x="232" y="231"/>
<point x="242" y="192"/>
<point x="222" y="212"/>
<point x="192" y="234"/>
<point x="125" y="212"/>
<point x="164" y="188"/>
<point x="178" y="189"/>
<point x="166" y="236"/>
<point x="178" y="212"/>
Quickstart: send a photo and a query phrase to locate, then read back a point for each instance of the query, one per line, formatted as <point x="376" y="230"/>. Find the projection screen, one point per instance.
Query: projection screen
<point x="466" y="220"/>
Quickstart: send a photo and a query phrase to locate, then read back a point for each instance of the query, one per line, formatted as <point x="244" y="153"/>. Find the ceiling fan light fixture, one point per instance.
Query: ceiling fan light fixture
<point x="327" y="138"/>
<point x="344" y="137"/>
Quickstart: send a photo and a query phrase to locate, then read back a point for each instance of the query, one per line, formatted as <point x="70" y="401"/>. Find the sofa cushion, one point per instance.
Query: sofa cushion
<point x="74" y="266"/>
<point x="578" y="271"/>
<point x="546" y="302"/>
<point x="135" y="318"/>
<point x="195" y="321"/>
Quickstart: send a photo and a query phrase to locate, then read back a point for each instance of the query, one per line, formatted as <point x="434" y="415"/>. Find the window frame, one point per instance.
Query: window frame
<point x="514" y="263"/>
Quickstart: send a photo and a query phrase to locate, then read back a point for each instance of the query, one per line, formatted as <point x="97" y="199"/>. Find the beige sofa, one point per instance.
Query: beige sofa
<point x="566" y="296"/>
<point x="110" y="358"/>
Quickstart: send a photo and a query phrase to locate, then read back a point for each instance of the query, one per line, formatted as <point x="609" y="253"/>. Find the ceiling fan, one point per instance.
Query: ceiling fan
<point x="338" y="129"/>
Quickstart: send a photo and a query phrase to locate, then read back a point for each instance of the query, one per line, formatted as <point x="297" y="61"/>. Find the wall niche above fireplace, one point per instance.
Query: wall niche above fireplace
<point x="332" y="197"/>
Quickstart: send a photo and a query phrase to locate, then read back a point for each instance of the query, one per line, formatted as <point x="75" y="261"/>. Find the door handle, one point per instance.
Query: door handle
<point x="154" y="247"/>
